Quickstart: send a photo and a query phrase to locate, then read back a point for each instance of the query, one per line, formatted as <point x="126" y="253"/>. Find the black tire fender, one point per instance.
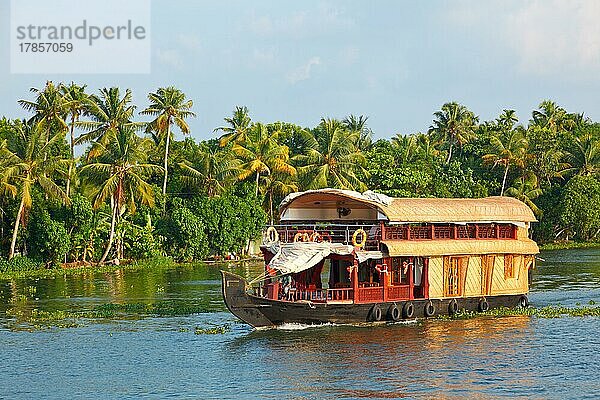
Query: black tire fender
<point x="483" y="305"/>
<point x="394" y="313"/>
<point x="523" y="301"/>
<point x="453" y="307"/>
<point x="408" y="310"/>
<point x="376" y="313"/>
<point x="429" y="309"/>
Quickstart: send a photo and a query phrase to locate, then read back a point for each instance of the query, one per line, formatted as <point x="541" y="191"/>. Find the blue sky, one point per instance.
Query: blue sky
<point x="394" y="61"/>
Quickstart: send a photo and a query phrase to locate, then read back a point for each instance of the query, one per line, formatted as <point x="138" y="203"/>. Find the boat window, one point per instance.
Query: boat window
<point x="400" y="270"/>
<point x="454" y="269"/>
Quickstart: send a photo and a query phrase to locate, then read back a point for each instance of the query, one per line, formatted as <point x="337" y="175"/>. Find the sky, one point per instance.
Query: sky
<point x="396" y="62"/>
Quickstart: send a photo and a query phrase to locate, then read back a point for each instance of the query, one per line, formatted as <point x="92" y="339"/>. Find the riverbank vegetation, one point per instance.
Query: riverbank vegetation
<point x="90" y="178"/>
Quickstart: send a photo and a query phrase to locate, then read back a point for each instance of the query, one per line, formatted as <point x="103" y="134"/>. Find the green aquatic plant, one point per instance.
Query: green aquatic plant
<point x="215" y="330"/>
<point x="550" y="311"/>
<point x="41" y="319"/>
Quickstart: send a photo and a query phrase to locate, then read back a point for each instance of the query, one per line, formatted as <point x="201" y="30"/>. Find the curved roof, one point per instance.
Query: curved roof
<point x="406" y="210"/>
<point x="419" y="248"/>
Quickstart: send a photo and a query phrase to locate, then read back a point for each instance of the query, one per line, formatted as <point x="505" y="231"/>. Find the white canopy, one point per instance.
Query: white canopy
<point x="299" y="256"/>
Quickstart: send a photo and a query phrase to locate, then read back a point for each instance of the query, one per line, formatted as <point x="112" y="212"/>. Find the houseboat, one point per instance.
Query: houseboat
<point x="346" y="257"/>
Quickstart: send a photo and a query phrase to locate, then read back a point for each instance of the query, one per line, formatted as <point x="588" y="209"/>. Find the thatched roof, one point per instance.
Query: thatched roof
<point x="407" y="210"/>
<point x="419" y="248"/>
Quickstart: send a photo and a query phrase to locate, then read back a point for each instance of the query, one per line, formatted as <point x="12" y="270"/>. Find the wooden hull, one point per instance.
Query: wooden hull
<point x="261" y="312"/>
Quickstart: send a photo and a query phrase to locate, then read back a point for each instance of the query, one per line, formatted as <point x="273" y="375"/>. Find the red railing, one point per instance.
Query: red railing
<point x="320" y="295"/>
<point x="370" y="294"/>
<point x="398" y="292"/>
<point x="440" y="232"/>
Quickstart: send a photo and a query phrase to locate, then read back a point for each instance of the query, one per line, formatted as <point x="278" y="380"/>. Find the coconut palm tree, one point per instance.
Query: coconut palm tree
<point x="238" y="127"/>
<point x="526" y="188"/>
<point x="352" y="123"/>
<point x="169" y="106"/>
<point x="213" y="171"/>
<point x="455" y="124"/>
<point x="507" y="148"/>
<point x="118" y="175"/>
<point x="331" y="158"/>
<point x="550" y="115"/>
<point x="109" y="112"/>
<point x="277" y="184"/>
<point x="49" y="108"/>
<point x="28" y="162"/>
<point x="76" y="102"/>
<point x="584" y="157"/>
<point x="261" y="154"/>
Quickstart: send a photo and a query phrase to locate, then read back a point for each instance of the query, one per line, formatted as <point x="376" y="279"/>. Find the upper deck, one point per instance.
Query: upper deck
<point x="335" y="216"/>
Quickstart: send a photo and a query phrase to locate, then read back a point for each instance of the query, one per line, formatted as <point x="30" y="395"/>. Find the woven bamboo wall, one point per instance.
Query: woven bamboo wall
<point x="475" y="277"/>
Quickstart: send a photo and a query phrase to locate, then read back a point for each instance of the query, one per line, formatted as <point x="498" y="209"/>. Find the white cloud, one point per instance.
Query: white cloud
<point x="315" y="21"/>
<point x="303" y="72"/>
<point x="170" y="57"/>
<point x="189" y="41"/>
<point x="549" y="37"/>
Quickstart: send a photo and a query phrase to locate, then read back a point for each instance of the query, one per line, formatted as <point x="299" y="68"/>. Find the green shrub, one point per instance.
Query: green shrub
<point x="19" y="263"/>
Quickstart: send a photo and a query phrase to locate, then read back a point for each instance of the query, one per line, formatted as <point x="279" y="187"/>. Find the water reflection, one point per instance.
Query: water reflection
<point x="516" y="357"/>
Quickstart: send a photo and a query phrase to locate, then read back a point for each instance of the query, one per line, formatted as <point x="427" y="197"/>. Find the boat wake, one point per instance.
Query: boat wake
<point x="294" y="326"/>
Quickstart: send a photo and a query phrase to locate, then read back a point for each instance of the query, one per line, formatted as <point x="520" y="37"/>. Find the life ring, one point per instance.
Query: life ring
<point x="429" y="309"/>
<point x="316" y="237"/>
<point x="483" y="305"/>
<point x="376" y="313"/>
<point x="362" y="243"/>
<point x="272" y="235"/>
<point x="326" y="237"/>
<point x="394" y="313"/>
<point x="408" y="311"/>
<point x="523" y="301"/>
<point x="453" y="307"/>
<point x="301" y="237"/>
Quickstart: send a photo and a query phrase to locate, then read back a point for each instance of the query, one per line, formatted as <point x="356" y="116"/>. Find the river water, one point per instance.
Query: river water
<point x="164" y="357"/>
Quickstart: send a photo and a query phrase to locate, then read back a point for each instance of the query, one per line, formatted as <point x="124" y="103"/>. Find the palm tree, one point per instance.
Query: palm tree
<point x="30" y="163"/>
<point x="358" y="124"/>
<point x="49" y="109"/>
<point x="407" y="146"/>
<point x="118" y="174"/>
<point x="76" y="102"/>
<point x="262" y="154"/>
<point x="584" y="158"/>
<point x="169" y="106"/>
<point x="109" y="113"/>
<point x="550" y="115"/>
<point x="277" y="184"/>
<point x="455" y="124"/>
<point x="238" y="127"/>
<point x="331" y="158"/>
<point x="507" y="148"/>
<point x="213" y="171"/>
<point x="526" y="188"/>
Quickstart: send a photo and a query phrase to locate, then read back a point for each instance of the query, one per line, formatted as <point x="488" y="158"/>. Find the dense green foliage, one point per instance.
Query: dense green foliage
<point x="137" y="192"/>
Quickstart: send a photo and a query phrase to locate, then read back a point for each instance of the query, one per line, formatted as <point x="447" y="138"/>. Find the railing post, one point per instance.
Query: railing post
<point x="355" y="281"/>
<point x="407" y="232"/>
<point x="411" y="283"/>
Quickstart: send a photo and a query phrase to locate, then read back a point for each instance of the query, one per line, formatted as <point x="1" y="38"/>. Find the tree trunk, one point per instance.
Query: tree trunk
<point x="167" y="141"/>
<point x="112" y="233"/>
<point x="257" y="177"/>
<point x="72" y="157"/>
<point x="13" y="243"/>
<point x="271" y="205"/>
<point x="450" y="153"/>
<point x="504" y="180"/>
